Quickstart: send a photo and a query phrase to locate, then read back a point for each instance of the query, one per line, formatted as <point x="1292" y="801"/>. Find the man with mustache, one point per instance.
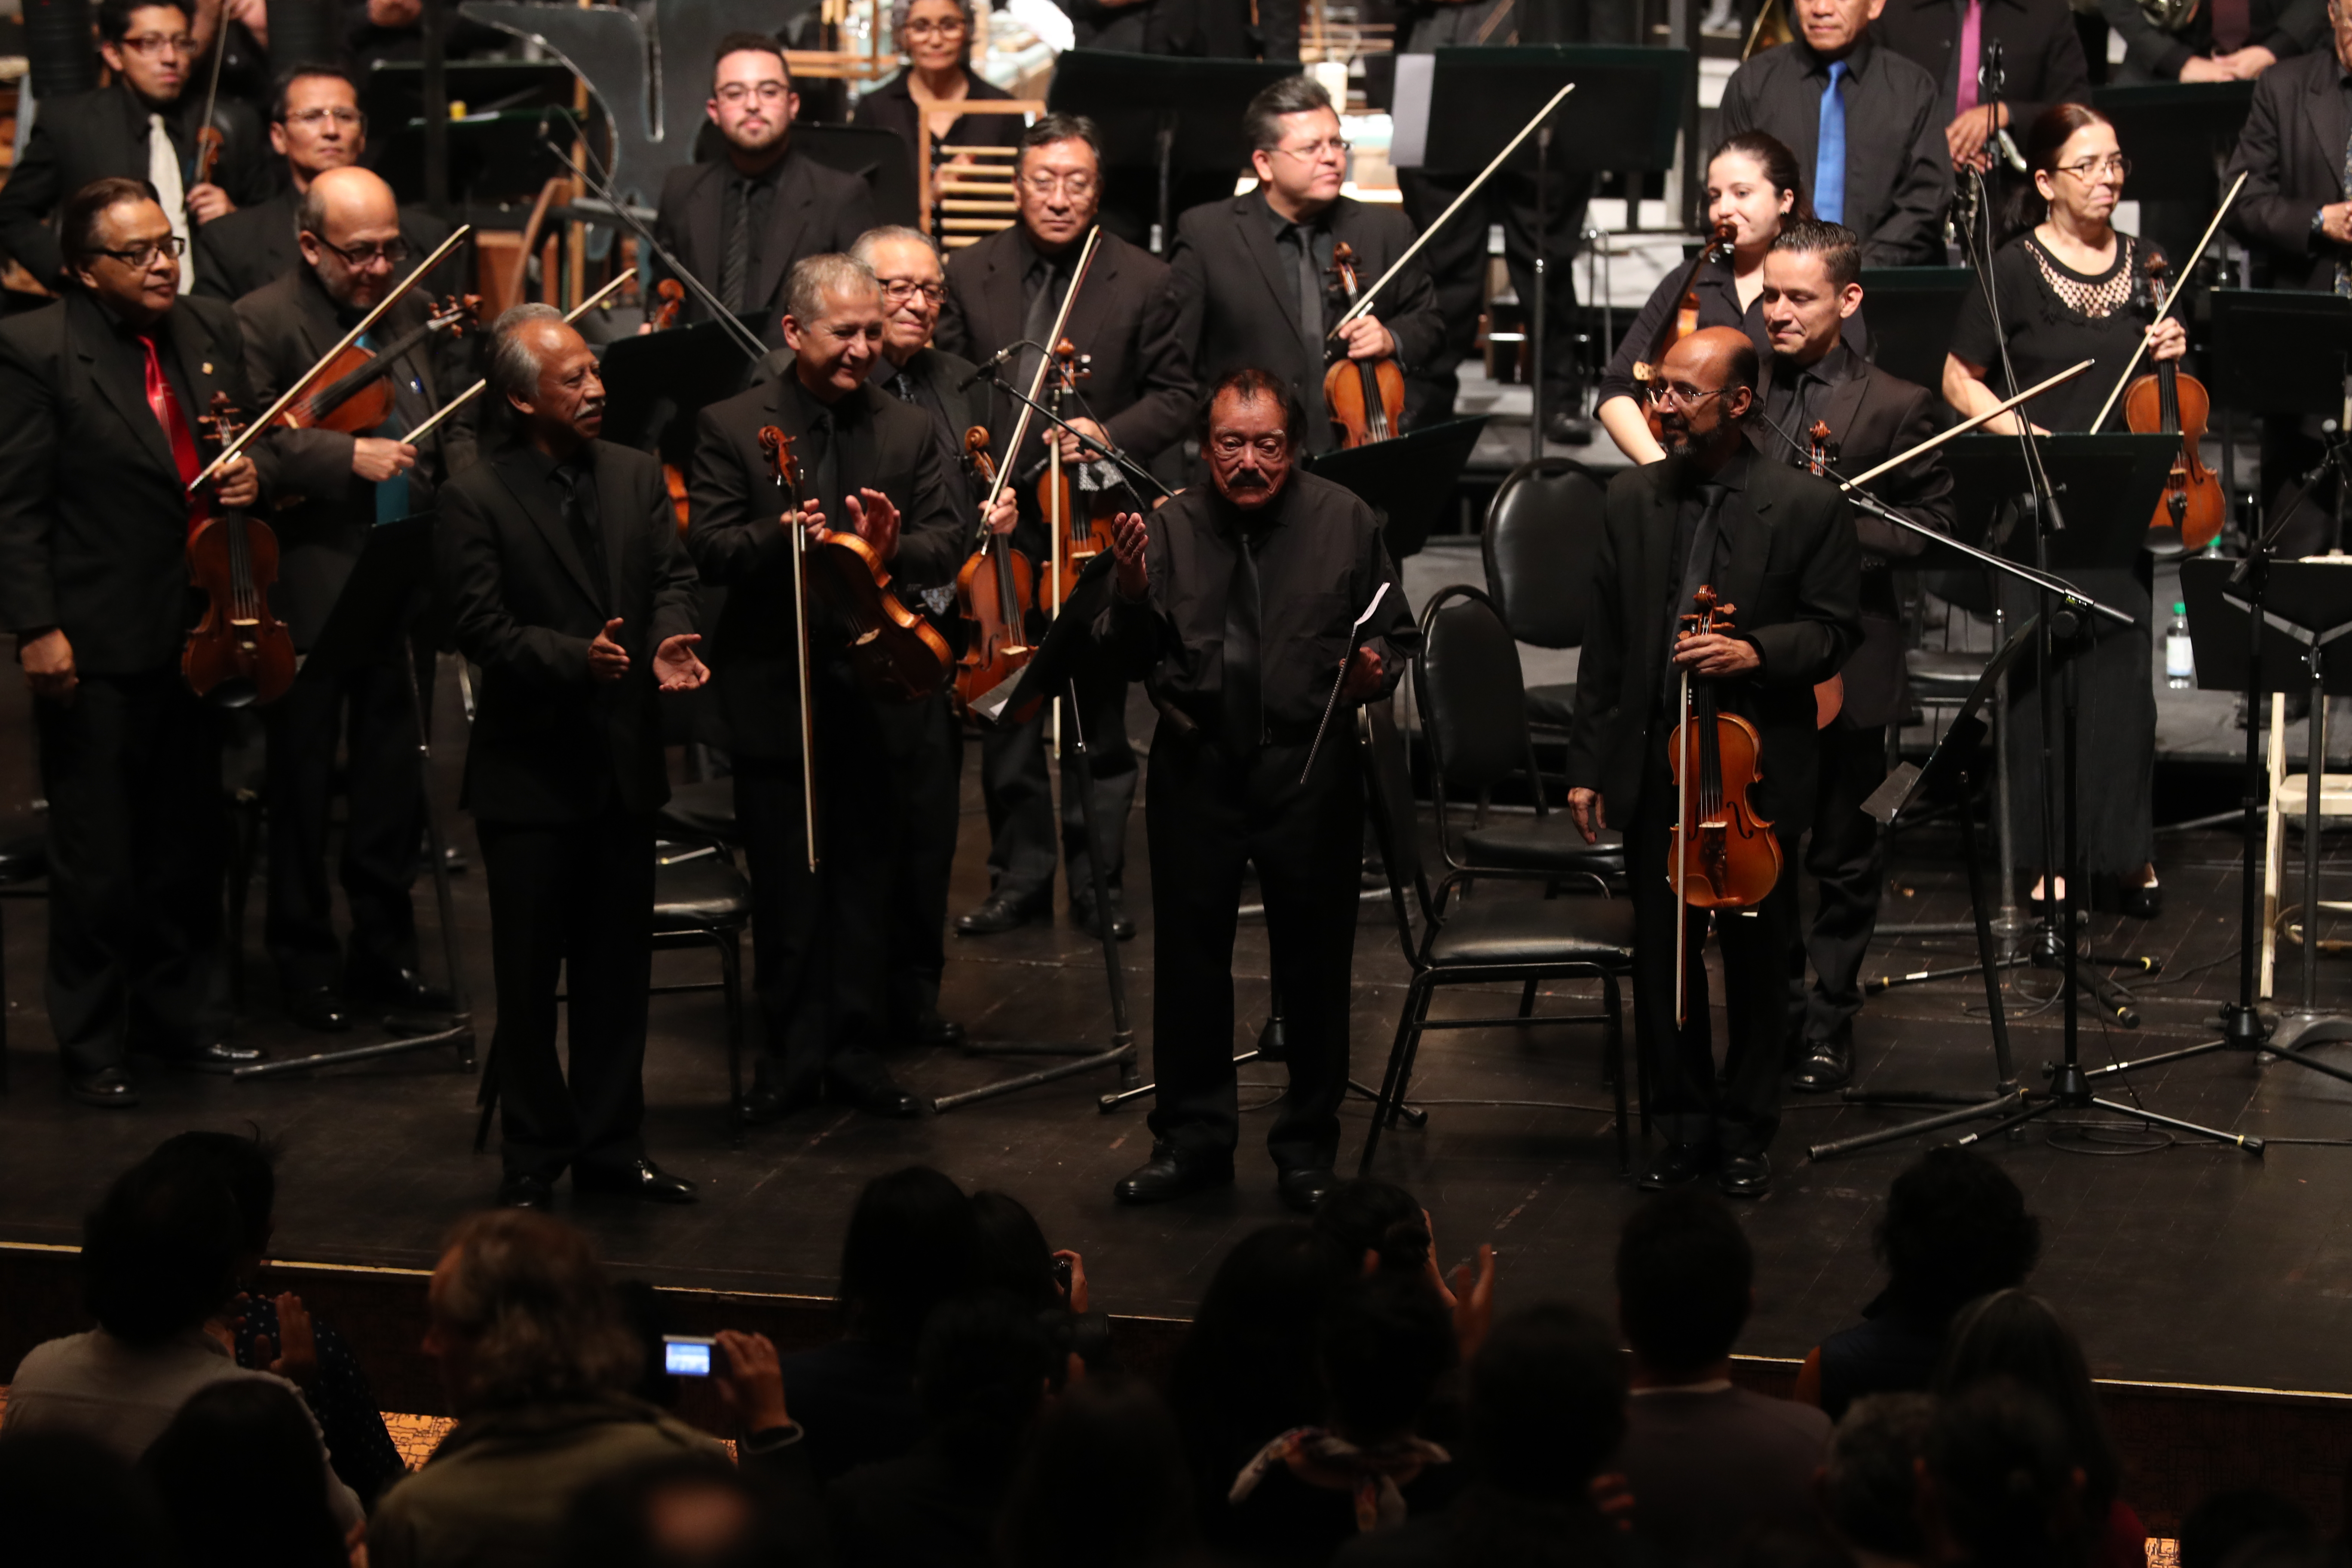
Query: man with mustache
<point x="1777" y="546"/>
<point x="1234" y="603"/>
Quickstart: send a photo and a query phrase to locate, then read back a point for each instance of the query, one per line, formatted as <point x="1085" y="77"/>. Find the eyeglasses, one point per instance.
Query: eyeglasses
<point x="156" y="43"/>
<point x="392" y="252"/>
<point x="736" y="92"/>
<point x="1684" y="397"/>
<point x="2113" y="166"/>
<point x="948" y="27"/>
<point x="1077" y="188"/>
<point x="1339" y="147"/>
<point x="140" y="257"/>
<point x="897" y="291"/>
<point x="1230" y="444"/>
<point x="310" y="118"/>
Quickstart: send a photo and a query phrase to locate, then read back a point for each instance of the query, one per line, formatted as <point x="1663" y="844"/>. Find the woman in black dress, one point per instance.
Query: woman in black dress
<point x="936" y="37"/>
<point x="2072" y="288"/>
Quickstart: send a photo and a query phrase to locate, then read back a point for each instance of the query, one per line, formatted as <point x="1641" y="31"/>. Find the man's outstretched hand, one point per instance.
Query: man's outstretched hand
<point x="676" y="668"/>
<point x="875" y="521"/>
<point x="1130" y="537"/>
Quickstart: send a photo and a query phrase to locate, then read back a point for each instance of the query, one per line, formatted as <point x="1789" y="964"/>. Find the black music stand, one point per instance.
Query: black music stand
<point x="1911" y="311"/>
<point x="2178" y="133"/>
<point x="1173" y="113"/>
<point x="1409" y="479"/>
<point x="656" y="383"/>
<point x="381" y="603"/>
<point x="2108" y="487"/>
<point x="2279" y="351"/>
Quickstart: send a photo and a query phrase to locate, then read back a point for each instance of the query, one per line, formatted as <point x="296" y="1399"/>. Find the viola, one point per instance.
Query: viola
<point x="1821" y="457"/>
<point x="2166" y="402"/>
<point x="352" y="392"/>
<point x="239" y="653"/>
<point x="1684" y="319"/>
<point x="1078" y="535"/>
<point x="1365" y="396"/>
<point x="1722" y="853"/>
<point x="994" y="593"/>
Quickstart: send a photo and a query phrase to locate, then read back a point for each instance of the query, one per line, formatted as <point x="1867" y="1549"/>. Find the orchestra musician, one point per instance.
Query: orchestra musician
<point x="740" y="221"/>
<point x="1253" y="273"/>
<point x="559" y="566"/>
<point x="936" y="37"/>
<point x="99" y="396"/>
<point x="1812" y="287"/>
<point x="1233" y="605"/>
<point x="873" y="465"/>
<point x="2040" y="54"/>
<point x="1003" y="292"/>
<point x="315" y="125"/>
<point x="2231" y="40"/>
<point x="1779" y="547"/>
<point x="1866" y="126"/>
<point x="2073" y="288"/>
<point x="340" y="487"/>
<point x="142" y="127"/>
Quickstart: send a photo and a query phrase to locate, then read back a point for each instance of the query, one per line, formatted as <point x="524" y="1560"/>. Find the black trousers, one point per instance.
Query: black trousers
<point x="1847" y="859"/>
<point x="363" y="711"/>
<point x="1019" y="795"/>
<point x="137" y="851"/>
<point x="1737" y="1109"/>
<point x="1205" y="817"/>
<point x="924" y="744"/>
<point x="1456" y="259"/>
<point x="573" y="899"/>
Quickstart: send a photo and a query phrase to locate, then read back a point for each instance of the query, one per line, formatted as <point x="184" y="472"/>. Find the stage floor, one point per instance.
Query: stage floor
<point x="2183" y="1262"/>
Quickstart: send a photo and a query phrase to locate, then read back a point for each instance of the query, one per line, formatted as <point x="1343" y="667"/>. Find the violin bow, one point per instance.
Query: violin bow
<point x="2171" y="299"/>
<point x="1045" y="362"/>
<point x="779" y="448"/>
<point x="1965" y="425"/>
<point x="463" y="398"/>
<point x="302" y="383"/>
<point x="1364" y="301"/>
<point x="212" y="93"/>
<point x="1355" y="641"/>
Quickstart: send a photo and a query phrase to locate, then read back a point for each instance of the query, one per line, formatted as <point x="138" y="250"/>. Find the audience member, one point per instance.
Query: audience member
<point x="73" y="1502"/>
<point x="2012" y="1335"/>
<point x="1869" y="1490"/>
<point x="159" y="1262"/>
<point x="2001" y="1488"/>
<point x="1710" y="1466"/>
<point x="1014" y="1256"/>
<point x="1102" y="1483"/>
<point x="238" y="1473"/>
<point x="1386" y="1228"/>
<point x="913" y="1242"/>
<point x="1955" y="1227"/>
<point x="684" y="1511"/>
<point x="2219" y="1529"/>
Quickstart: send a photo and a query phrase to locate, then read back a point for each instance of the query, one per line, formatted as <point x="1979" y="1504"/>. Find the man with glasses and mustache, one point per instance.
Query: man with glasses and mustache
<point x="1254" y="272"/>
<point x="1003" y="293"/>
<point x="740" y="221"/>
<point x="1777" y="547"/>
<point x="142" y="128"/>
<point x="340" y="488"/>
<point x="1234" y="603"/>
<point x="101" y="396"/>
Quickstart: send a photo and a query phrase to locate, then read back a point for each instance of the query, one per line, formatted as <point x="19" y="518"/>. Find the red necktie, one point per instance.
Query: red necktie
<point x="2232" y="25"/>
<point x="176" y="429"/>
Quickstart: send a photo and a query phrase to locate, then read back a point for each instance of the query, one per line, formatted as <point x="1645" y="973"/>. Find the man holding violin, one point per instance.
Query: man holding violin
<point x="1253" y="273"/>
<point x="871" y="463"/>
<point x="1777" y="547"/>
<point x="101" y="396"/>
<point x="345" y="473"/>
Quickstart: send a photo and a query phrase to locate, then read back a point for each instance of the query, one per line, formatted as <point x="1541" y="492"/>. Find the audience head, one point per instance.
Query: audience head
<point x="1012" y="1256"/>
<point x="521" y="1314"/>
<point x="1547" y="1403"/>
<point x="2222" y="1528"/>
<point x="2012" y="1335"/>
<point x="544" y="375"/>
<point x="1813" y="282"/>
<point x="315" y="123"/>
<point x="912" y="1243"/>
<point x="1246" y="1370"/>
<point x="2078" y="171"/>
<point x="1955" y="1228"/>
<point x="246" y="1164"/>
<point x="1251" y="433"/>
<point x="1060" y="187"/>
<point x="934" y="35"/>
<point x="833" y="324"/>
<point x="751" y="96"/>
<point x="70" y="1502"/>
<point x="1296" y="146"/>
<point x="159" y="1254"/>
<point x="241" y="1479"/>
<point x="1686" y="1280"/>
<point x="906" y="264"/>
<point x="1869" y="1489"/>
<point x="1752" y="180"/>
<point x="2003" y="1486"/>
<point x="148" y="45"/>
<point x="1103" y="1482"/>
<point x="1377" y="1222"/>
<point x="1832" y="28"/>
<point x="118" y="245"/>
<point x="981" y="1371"/>
<point x="349" y="234"/>
<point x="1383" y="1345"/>
<point x="690" y="1510"/>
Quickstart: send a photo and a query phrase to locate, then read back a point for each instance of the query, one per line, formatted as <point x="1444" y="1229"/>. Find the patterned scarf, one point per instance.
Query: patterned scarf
<point x="1369" y="1475"/>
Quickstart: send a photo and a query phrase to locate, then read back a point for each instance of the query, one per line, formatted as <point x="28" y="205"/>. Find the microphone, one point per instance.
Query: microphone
<point x="988" y="366"/>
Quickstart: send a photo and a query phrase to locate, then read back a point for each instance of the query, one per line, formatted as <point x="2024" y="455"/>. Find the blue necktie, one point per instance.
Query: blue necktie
<point x="1829" y="163"/>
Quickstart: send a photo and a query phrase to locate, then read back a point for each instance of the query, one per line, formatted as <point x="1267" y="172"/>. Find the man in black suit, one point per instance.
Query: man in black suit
<point x="2041" y="53"/>
<point x="99" y="396"/>
<point x="1811" y="287"/>
<point x="1865" y="123"/>
<point x="142" y="127"/>
<point x="560" y="570"/>
<point x="1252" y="272"/>
<point x="821" y="933"/>
<point x="340" y="487"/>
<point x="1779" y="548"/>
<point x="315" y="125"/>
<point x="1001" y="293"/>
<point x="739" y="222"/>
<point x="2221" y="42"/>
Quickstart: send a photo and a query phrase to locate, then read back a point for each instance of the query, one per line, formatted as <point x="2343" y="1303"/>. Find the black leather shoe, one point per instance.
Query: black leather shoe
<point x="320" y="1009"/>
<point x="1828" y="1064"/>
<point x="931" y="1027"/>
<point x="1675" y="1165"/>
<point x="1001" y="914"/>
<point x="219" y="1056"/>
<point x="638" y="1179"/>
<point x="1122" y="926"/>
<point x="877" y="1095"/>
<point x="1168" y="1175"/>
<point x="764" y="1105"/>
<point x="1304" y="1188"/>
<point x="1744" y="1176"/>
<point x="1566" y="427"/>
<point x="109" y="1088"/>
<point x="404" y="991"/>
<point x="520" y="1190"/>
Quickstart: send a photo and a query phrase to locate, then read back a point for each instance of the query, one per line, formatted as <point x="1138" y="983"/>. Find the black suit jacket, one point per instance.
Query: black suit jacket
<point x="814" y="210"/>
<point x="253" y="245"/>
<point x="93" y="517"/>
<point x="1237" y="302"/>
<point x="322" y="514"/>
<point x="2292" y="150"/>
<point x="2041" y="51"/>
<point x="549" y="744"/>
<point x="736" y="540"/>
<point x="2285" y="27"/>
<point x="1898" y="169"/>
<point x="1791" y="576"/>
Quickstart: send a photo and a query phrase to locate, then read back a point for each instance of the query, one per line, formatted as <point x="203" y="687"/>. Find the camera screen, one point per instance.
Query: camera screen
<point x="686" y="1358"/>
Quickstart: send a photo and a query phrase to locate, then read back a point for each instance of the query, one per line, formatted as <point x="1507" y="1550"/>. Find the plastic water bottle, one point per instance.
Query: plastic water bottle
<point x="2179" y="659"/>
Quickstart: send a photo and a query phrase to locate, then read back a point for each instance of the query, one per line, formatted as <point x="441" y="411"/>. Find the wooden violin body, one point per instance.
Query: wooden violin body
<point x="352" y="392"/>
<point x="1365" y="396"/>
<point x="1721" y="853"/>
<point x="2193" y="507"/>
<point x="1077" y="521"/>
<point x="672" y="294"/>
<point x="239" y="653"/>
<point x="994" y="593"/>
<point x="896" y="653"/>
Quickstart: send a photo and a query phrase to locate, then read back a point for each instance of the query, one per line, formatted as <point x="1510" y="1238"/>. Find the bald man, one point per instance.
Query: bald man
<point x="1779" y="548"/>
<point x="342" y="487"/>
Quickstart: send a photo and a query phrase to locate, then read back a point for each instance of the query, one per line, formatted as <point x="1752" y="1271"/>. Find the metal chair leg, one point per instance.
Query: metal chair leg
<point x="1386" y="1096"/>
<point x="1528" y="1000"/>
<point x="1615" y="1045"/>
<point x="731" y="979"/>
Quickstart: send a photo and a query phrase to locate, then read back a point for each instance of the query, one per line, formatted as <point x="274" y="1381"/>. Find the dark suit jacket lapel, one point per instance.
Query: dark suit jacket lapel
<point x="128" y="395"/>
<point x="788" y="216"/>
<point x="1249" y="220"/>
<point x="1747" y="518"/>
<point x="2325" y="104"/>
<point x="1842" y="409"/>
<point x="518" y="471"/>
<point x="1000" y="298"/>
<point x="205" y="361"/>
<point x="704" y="210"/>
<point x="1091" y="318"/>
<point x="1657" y="525"/>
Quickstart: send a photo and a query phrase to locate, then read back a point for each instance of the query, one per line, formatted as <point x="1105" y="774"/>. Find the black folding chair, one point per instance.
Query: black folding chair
<point x="1543" y="530"/>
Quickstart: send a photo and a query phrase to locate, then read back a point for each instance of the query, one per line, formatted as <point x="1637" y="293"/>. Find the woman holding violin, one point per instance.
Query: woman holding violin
<point x="2073" y="288"/>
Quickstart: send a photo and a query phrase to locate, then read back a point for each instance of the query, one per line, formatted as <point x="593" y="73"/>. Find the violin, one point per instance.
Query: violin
<point x="1685" y="321"/>
<point x="1366" y="396"/>
<point x="672" y="294"/>
<point x="994" y="593"/>
<point x="1075" y="537"/>
<point x="2166" y="402"/>
<point x="239" y="653"/>
<point x="778" y="448"/>
<point x="1722" y="855"/>
<point x="1821" y="457"/>
<point x="352" y="393"/>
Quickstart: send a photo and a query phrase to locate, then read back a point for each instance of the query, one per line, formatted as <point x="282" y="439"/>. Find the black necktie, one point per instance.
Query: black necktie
<point x="582" y="516"/>
<point x="735" y="255"/>
<point x="1244" y="701"/>
<point x="1310" y="329"/>
<point x="824" y="437"/>
<point x="1698" y="566"/>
